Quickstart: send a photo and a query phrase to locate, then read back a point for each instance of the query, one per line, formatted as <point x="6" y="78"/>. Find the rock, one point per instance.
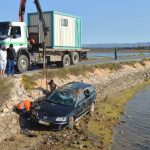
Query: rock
<point x="81" y="146"/>
<point x="14" y="121"/>
<point x="121" y="132"/>
<point x="122" y="121"/>
<point x="10" y="105"/>
<point x="13" y="131"/>
<point x="5" y="110"/>
<point x="10" y="126"/>
<point x="129" y="117"/>
<point x="2" y="114"/>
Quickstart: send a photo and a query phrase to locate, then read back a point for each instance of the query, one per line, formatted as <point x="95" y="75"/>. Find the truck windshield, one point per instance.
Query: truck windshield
<point x="4" y="27"/>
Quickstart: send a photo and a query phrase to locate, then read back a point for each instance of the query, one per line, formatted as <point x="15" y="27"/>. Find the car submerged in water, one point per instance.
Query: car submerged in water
<point x="66" y="105"/>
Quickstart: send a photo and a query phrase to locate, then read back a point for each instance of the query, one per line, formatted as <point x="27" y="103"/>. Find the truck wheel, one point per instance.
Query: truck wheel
<point x="71" y="123"/>
<point x="74" y="58"/>
<point x="23" y="63"/>
<point x="66" y="61"/>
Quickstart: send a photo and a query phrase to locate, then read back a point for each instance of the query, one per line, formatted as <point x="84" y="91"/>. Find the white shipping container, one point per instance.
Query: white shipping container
<point x="64" y="30"/>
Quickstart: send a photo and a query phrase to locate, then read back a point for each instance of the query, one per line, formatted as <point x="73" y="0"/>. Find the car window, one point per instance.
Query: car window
<point x="81" y="96"/>
<point x="62" y="97"/>
<point x="91" y="89"/>
<point x="87" y="93"/>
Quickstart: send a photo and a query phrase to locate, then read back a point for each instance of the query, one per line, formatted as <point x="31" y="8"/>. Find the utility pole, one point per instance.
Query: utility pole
<point x="44" y="60"/>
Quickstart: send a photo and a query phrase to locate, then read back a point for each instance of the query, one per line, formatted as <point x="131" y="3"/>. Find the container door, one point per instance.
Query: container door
<point x="78" y="32"/>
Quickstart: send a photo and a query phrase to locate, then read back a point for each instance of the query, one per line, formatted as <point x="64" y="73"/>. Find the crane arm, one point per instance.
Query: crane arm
<point x="22" y="10"/>
<point x="38" y="7"/>
<point x="41" y="18"/>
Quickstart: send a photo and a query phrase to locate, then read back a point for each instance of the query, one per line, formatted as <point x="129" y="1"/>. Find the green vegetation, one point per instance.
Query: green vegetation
<point x="109" y="111"/>
<point x="64" y="72"/>
<point x="111" y="66"/>
<point x="129" y="63"/>
<point x="6" y="86"/>
<point x="28" y="82"/>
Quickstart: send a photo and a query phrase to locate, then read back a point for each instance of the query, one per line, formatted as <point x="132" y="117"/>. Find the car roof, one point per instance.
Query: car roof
<point x="75" y="86"/>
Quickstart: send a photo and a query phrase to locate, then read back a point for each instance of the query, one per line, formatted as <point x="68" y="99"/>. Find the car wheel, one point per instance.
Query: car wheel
<point x="92" y="108"/>
<point x="71" y="123"/>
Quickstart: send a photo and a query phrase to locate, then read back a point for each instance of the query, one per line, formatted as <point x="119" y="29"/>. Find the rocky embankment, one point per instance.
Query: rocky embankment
<point x="106" y="82"/>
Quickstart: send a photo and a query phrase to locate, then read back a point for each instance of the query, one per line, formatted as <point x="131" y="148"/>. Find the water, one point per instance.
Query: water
<point x="125" y="54"/>
<point x="134" y="131"/>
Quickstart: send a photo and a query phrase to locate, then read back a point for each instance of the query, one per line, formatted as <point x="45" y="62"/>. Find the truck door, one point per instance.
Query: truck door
<point x="17" y="37"/>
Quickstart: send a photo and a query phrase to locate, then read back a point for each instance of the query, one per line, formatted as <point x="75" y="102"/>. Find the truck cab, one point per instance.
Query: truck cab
<point x="16" y="33"/>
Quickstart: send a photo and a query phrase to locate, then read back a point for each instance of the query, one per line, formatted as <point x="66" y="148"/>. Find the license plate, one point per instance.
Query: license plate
<point x="44" y="122"/>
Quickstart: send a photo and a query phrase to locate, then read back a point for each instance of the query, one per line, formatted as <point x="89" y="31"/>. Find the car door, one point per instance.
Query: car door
<point x="87" y="101"/>
<point x="79" y="105"/>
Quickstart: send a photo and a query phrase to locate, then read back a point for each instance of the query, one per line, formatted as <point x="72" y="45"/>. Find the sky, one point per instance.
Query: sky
<point x="104" y="21"/>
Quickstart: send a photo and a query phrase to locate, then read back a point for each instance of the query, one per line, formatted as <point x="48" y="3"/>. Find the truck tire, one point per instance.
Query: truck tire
<point x="23" y="63"/>
<point x="74" y="58"/>
<point x="66" y="61"/>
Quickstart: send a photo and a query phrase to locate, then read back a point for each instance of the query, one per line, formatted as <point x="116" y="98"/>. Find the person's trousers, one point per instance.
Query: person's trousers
<point x="10" y="67"/>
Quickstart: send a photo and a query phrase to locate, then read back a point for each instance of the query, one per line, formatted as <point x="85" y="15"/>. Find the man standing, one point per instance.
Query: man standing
<point x="3" y="60"/>
<point x="115" y="54"/>
<point x="11" y="58"/>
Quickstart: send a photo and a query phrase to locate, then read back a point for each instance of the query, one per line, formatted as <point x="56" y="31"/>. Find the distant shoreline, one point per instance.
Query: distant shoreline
<point x="119" y="50"/>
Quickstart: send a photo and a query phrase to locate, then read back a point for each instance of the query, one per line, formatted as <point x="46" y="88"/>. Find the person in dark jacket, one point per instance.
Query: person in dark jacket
<point x="11" y="58"/>
<point x="52" y="85"/>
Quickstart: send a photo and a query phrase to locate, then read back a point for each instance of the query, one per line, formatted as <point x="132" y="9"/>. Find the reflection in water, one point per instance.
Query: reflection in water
<point x="134" y="133"/>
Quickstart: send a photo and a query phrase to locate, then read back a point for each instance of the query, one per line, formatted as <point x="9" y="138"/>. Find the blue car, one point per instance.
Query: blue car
<point x="66" y="105"/>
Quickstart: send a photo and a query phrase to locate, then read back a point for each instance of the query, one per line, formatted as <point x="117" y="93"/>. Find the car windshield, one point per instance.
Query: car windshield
<point x="63" y="98"/>
<point x="4" y="27"/>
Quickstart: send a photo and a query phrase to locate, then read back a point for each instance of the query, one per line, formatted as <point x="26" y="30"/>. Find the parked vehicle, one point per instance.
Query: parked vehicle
<point x="66" y="105"/>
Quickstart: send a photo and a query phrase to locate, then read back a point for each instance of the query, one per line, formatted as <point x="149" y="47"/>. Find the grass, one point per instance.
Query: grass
<point x="110" y="111"/>
<point x="6" y="86"/>
<point x="129" y="63"/>
<point x="111" y="66"/>
<point x="28" y="82"/>
<point x="63" y="73"/>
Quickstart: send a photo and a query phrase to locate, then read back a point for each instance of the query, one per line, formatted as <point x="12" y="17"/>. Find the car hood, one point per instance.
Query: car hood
<point x="54" y="110"/>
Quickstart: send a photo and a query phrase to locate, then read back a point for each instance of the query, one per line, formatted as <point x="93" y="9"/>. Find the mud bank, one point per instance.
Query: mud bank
<point x="110" y="85"/>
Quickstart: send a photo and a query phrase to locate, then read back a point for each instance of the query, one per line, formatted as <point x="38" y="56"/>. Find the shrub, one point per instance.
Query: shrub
<point x="142" y="63"/>
<point x="129" y="63"/>
<point x="111" y="66"/>
<point x="28" y="82"/>
<point x="5" y="90"/>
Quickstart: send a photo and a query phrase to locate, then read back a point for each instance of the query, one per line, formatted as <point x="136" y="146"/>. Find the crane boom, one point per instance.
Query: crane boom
<point x="39" y="9"/>
<point x="22" y="10"/>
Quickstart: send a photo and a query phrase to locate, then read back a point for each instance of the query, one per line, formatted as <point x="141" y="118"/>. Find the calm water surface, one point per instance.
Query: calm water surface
<point x="129" y="54"/>
<point x="134" y="131"/>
